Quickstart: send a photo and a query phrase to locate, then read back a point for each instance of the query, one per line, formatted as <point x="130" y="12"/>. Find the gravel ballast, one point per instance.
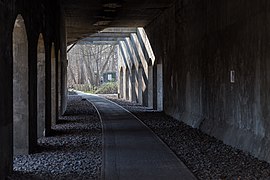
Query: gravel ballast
<point x="205" y="156"/>
<point x="73" y="152"/>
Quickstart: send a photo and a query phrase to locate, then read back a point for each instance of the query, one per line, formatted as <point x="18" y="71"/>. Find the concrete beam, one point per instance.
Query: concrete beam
<point x="111" y="34"/>
<point x="100" y="39"/>
<point x="119" y="30"/>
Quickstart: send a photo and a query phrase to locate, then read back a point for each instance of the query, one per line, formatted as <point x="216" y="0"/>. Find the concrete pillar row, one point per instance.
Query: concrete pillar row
<point x="138" y="58"/>
<point x="136" y="77"/>
<point x="143" y="71"/>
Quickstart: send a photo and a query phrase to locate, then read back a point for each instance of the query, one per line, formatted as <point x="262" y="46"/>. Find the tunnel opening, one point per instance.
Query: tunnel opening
<point x="20" y="89"/>
<point x="93" y="67"/>
<point x="135" y="65"/>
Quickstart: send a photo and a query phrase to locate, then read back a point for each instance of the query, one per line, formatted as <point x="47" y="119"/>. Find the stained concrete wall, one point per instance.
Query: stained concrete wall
<point x="39" y="16"/>
<point x="199" y="43"/>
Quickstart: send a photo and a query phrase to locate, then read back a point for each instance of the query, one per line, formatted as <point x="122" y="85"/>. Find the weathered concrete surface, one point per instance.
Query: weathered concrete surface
<point x="41" y="87"/>
<point x="20" y="88"/>
<point x="199" y="43"/>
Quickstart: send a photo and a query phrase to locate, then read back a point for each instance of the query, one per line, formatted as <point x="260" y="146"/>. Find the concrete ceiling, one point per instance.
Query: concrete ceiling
<point x="86" y="17"/>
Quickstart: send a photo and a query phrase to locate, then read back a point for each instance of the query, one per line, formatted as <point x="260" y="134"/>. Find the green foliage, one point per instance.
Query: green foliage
<point x="107" y="88"/>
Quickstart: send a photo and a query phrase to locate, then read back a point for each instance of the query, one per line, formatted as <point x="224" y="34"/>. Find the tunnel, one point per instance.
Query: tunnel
<point x="201" y="63"/>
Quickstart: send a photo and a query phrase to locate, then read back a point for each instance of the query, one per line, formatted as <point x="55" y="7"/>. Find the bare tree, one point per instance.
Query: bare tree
<point x="88" y="62"/>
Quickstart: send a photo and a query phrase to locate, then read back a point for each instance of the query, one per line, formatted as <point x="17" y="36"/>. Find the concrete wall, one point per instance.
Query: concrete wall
<point x="200" y="43"/>
<point x="39" y="16"/>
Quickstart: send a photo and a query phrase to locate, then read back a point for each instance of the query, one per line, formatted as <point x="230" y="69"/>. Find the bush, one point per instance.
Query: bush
<point x="108" y="88"/>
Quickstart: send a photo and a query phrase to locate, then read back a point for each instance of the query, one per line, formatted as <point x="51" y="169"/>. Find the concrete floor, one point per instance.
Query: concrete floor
<point x="131" y="150"/>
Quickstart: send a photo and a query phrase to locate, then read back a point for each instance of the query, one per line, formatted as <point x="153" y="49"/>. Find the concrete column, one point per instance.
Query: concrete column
<point x="124" y="84"/>
<point x="59" y="82"/>
<point x="53" y="84"/>
<point x="48" y="91"/>
<point x="40" y="87"/>
<point x="133" y="94"/>
<point x="64" y="64"/>
<point x="20" y="89"/>
<point x="127" y="85"/>
<point x="140" y="85"/>
<point x="126" y="73"/>
<point x="150" y="86"/>
<point x="159" y="87"/>
<point x="121" y="83"/>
